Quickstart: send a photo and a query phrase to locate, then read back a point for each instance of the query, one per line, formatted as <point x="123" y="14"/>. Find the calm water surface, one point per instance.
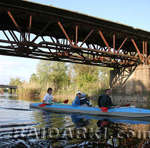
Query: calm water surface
<point x="21" y="126"/>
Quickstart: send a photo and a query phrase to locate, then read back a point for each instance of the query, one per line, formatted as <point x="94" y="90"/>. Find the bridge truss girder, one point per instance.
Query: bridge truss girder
<point x="27" y="32"/>
<point x="19" y="41"/>
<point x="120" y="76"/>
<point x="63" y="50"/>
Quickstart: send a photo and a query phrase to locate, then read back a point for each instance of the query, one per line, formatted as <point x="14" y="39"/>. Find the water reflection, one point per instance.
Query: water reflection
<point x="69" y="130"/>
<point x="47" y="119"/>
<point x="79" y="120"/>
<point x="109" y="131"/>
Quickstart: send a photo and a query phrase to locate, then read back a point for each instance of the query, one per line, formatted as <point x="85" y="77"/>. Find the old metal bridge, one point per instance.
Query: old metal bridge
<point x="8" y="86"/>
<point x="11" y="87"/>
<point x="44" y="32"/>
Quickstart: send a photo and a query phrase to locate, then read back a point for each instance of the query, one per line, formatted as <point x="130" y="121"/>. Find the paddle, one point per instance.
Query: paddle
<point x="105" y="109"/>
<point x="20" y="109"/>
<point x="43" y="104"/>
<point x="66" y="101"/>
<point x="125" y="105"/>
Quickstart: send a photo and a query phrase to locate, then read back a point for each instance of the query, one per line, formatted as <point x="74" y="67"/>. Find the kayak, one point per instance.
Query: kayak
<point x="129" y="112"/>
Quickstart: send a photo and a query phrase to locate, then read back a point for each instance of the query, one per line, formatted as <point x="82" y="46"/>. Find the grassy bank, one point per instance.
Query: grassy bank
<point x="28" y="91"/>
<point x="36" y="92"/>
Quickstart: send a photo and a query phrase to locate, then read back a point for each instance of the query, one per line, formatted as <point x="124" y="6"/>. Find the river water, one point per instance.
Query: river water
<point x="21" y="126"/>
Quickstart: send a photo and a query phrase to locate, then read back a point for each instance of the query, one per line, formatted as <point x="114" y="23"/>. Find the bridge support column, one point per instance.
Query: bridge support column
<point x="136" y="88"/>
<point x="139" y="81"/>
<point x="11" y="90"/>
<point x="15" y="91"/>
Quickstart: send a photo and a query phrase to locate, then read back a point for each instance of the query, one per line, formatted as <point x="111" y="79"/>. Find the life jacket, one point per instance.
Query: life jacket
<point x="84" y="100"/>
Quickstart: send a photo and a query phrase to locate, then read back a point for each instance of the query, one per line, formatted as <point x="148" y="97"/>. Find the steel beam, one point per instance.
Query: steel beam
<point x="87" y="37"/>
<point x="103" y="38"/>
<point x="76" y="40"/>
<point x="65" y="39"/>
<point x="138" y="51"/>
<point x="122" y="44"/>
<point x="65" y="33"/>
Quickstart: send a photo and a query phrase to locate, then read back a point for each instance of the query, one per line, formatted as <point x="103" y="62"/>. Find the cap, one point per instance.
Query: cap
<point x="78" y="92"/>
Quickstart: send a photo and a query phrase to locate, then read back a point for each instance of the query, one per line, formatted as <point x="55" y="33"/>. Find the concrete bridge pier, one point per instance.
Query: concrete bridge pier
<point x="11" y="90"/>
<point x="136" y="88"/>
<point x="139" y="81"/>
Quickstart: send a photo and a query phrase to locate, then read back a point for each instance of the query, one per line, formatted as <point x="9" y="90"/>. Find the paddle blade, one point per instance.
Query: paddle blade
<point x="104" y="109"/>
<point x="66" y="101"/>
<point x="127" y="105"/>
<point x="42" y="105"/>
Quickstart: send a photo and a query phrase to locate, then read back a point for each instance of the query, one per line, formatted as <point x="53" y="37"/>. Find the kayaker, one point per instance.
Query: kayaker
<point x="48" y="98"/>
<point x="104" y="101"/>
<point x="81" y="99"/>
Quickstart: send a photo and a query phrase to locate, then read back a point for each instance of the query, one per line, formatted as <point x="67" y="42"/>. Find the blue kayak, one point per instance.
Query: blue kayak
<point x="130" y="112"/>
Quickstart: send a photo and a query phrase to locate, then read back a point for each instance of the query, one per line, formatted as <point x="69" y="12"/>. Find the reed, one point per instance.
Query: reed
<point x="35" y="92"/>
<point x="29" y="91"/>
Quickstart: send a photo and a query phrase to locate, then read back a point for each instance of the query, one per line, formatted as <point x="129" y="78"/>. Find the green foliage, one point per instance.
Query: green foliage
<point x="85" y="75"/>
<point x="65" y="79"/>
<point x="34" y="78"/>
<point x="15" y="81"/>
<point x="43" y="72"/>
<point x="104" y="76"/>
<point x="91" y="79"/>
<point x="53" y="73"/>
<point x="29" y="90"/>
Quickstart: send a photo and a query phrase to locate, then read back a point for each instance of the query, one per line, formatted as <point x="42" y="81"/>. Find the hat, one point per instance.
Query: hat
<point x="78" y="92"/>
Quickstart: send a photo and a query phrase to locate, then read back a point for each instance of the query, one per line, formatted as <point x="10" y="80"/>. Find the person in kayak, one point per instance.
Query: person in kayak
<point x="104" y="101"/>
<point x="48" y="98"/>
<point x="81" y="99"/>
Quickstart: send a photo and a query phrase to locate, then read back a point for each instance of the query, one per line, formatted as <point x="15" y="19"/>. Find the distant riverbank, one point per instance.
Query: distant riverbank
<point x="64" y="79"/>
<point x="33" y="91"/>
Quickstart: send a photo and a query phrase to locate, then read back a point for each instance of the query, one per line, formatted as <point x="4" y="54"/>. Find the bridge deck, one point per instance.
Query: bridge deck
<point x="43" y="13"/>
<point x="8" y="86"/>
<point x="62" y="35"/>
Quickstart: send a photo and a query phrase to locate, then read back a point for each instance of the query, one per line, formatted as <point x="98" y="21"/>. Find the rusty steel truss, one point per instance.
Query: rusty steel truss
<point x="44" y="32"/>
<point x="120" y="76"/>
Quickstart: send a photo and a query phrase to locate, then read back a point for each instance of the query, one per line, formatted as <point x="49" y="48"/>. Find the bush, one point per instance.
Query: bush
<point x="29" y="91"/>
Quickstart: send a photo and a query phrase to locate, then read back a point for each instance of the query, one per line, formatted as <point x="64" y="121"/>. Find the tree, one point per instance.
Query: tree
<point x="15" y="81"/>
<point x="105" y="76"/>
<point x="85" y="74"/>
<point x="34" y="78"/>
<point x="43" y="72"/>
<point x="54" y="73"/>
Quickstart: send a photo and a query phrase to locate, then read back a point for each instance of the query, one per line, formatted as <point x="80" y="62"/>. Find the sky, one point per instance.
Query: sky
<point x="134" y="13"/>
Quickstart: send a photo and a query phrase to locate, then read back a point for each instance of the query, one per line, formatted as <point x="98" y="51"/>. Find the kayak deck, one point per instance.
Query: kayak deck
<point x="130" y="112"/>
